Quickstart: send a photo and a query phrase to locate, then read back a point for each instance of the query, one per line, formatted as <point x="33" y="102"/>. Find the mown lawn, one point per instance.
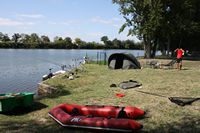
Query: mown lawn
<point x="92" y="86"/>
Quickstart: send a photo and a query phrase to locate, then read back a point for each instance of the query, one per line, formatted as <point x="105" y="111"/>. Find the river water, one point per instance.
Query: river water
<point x="22" y="69"/>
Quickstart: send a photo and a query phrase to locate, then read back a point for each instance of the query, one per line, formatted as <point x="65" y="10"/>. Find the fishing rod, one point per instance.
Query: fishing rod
<point x="55" y="63"/>
<point x="78" y="61"/>
<point x="61" y="65"/>
<point x="153" y="94"/>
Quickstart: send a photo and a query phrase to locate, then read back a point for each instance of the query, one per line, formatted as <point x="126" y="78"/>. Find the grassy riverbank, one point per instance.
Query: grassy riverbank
<point x="92" y="86"/>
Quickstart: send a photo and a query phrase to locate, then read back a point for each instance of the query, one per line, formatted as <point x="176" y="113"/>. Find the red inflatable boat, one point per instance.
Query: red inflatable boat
<point x="97" y="117"/>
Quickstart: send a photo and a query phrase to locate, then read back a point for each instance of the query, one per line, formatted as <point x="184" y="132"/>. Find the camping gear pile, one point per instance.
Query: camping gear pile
<point x="153" y="64"/>
<point x="50" y="75"/>
<point x="156" y="64"/>
<point x="169" y="65"/>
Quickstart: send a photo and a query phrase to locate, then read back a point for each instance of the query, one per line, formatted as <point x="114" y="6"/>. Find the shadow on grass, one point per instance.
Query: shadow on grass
<point x="60" y="91"/>
<point x="38" y="127"/>
<point x="187" y="124"/>
<point x="25" y="110"/>
<point x="196" y="58"/>
<point x="185" y="69"/>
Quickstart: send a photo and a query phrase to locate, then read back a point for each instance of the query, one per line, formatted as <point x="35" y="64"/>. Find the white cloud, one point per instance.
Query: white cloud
<point x="67" y="22"/>
<point x="35" y="16"/>
<point x="9" y="22"/>
<point x="90" y="36"/>
<point x="96" y="34"/>
<point x="115" y="22"/>
<point x="70" y="22"/>
<point x="100" y="20"/>
<point x="117" y="25"/>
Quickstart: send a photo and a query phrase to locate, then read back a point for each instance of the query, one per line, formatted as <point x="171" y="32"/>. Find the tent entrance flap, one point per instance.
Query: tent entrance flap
<point x="119" y="62"/>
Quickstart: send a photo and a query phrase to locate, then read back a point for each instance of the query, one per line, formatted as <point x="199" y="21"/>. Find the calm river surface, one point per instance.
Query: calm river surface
<point x="22" y="69"/>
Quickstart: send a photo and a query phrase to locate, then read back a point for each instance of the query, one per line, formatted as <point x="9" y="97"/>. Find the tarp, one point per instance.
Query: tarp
<point x="123" y="61"/>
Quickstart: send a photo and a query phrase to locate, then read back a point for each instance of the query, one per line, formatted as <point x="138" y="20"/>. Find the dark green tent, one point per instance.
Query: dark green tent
<point x="123" y="61"/>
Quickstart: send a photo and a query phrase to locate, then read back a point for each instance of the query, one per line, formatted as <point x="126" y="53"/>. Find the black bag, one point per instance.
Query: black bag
<point x="182" y="101"/>
<point x="129" y="84"/>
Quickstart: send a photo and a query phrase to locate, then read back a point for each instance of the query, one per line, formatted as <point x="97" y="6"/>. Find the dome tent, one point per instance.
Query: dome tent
<point x="123" y="61"/>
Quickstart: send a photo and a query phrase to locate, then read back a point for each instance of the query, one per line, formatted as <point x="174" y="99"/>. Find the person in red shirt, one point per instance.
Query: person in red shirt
<point x="179" y="54"/>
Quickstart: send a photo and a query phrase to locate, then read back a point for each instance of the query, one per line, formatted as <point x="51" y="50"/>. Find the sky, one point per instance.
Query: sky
<point x="88" y="20"/>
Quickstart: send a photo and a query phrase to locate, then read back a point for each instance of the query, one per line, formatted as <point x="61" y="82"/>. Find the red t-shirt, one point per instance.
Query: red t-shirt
<point x="179" y="53"/>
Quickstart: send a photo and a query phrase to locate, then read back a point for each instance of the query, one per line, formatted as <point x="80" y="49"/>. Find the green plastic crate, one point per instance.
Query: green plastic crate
<point x="9" y="101"/>
<point x="27" y="98"/>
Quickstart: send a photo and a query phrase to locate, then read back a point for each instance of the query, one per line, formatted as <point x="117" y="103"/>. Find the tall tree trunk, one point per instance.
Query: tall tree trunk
<point x="147" y="47"/>
<point x="162" y="47"/>
<point x="168" y="45"/>
<point x="153" y="53"/>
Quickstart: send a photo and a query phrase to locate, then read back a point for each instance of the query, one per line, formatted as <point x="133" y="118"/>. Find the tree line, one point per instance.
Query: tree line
<point x="34" y="41"/>
<point x="162" y="24"/>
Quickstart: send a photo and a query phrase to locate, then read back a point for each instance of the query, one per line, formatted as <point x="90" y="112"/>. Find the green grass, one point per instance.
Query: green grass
<point x="93" y="87"/>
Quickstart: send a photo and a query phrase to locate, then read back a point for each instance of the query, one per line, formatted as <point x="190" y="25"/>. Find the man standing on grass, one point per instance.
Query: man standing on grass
<point x="179" y="52"/>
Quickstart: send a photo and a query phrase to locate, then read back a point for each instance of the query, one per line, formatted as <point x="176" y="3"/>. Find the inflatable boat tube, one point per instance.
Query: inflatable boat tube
<point x="97" y="117"/>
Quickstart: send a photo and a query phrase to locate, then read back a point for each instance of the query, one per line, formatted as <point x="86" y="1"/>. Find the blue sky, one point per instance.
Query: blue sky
<point x="85" y="19"/>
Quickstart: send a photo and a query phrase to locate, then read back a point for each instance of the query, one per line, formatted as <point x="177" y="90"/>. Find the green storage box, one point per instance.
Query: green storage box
<point x="11" y="100"/>
<point x="7" y="102"/>
<point x="27" y="98"/>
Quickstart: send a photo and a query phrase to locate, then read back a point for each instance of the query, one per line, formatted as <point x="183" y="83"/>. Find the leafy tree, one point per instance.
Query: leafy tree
<point x="143" y="17"/>
<point x="4" y="37"/>
<point x="187" y="24"/>
<point x="34" y="40"/>
<point x="129" y="44"/>
<point x="1" y="34"/>
<point x="108" y="44"/>
<point x="25" y="38"/>
<point x="16" y="37"/>
<point x="79" y="42"/>
<point x="1" y="37"/>
<point x="59" y="42"/>
<point x="45" y="39"/>
<point x="68" y="40"/>
<point x="164" y="24"/>
<point x="117" y="44"/>
<point x="57" y="39"/>
<point x="69" y="43"/>
<point x="45" y="42"/>
<point x="104" y="39"/>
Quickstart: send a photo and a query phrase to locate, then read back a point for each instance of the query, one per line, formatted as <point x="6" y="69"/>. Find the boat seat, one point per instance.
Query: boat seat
<point x="122" y="113"/>
<point x="75" y="111"/>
